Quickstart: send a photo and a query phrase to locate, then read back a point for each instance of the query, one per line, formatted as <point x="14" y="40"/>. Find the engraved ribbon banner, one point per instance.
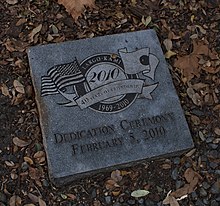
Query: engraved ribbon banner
<point x="114" y="89"/>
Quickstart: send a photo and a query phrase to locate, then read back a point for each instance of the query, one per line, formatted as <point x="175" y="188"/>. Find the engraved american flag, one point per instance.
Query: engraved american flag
<point x="61" y="76"/>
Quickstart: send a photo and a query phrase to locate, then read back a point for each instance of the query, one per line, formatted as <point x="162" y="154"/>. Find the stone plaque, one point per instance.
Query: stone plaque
<point x="105" y="103"/>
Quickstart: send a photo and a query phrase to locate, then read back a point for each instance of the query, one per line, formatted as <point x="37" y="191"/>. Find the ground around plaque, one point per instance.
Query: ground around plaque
<point x="188" y="32"/>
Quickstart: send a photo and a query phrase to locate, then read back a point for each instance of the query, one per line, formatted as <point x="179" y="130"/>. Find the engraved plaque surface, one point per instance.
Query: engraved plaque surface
<point x="106" y="102"/>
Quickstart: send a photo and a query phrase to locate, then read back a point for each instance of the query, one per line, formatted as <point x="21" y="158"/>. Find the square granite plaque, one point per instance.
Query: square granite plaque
<point x="105" y="103"/>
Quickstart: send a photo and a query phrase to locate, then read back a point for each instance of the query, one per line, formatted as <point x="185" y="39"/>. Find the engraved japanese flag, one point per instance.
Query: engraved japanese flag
<point x="61" y="76"/>
<point x="139" y="61"/>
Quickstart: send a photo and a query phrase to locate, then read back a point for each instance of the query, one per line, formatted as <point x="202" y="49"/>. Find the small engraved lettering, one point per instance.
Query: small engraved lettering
<point x="95" y="146"/>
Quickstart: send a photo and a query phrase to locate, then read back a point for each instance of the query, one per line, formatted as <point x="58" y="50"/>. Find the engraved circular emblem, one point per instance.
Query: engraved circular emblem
<point x="106" y="83"/>
<point x="105" y="75"/>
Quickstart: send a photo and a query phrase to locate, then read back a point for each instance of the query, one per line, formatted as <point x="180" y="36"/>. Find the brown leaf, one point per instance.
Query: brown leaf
<point x="9" y="163"/>
<point x="195" y="120"/>
<point x="20" y="143"/>
<point x="39" y="157"/>
<point x="197" y="100"/>
<point x="116" y="176"/>
<point x="18" y="86"/>
<point x="116" y="192"/>
<point x="33" y="197"/>
<point x="111" y="184"/>
<point x="190" y="174"/>
<point x="181" y="191"/>
<point x="168" y="44"/>
<point x="189" y="66"/>
<point x="217" y="131"/>
<point x="202" y="48"/>
<point x="169" y="54"/>
<point x="71" y="196"/>
<point x="97" y="203"/>
<point x="34" y="173"/>
<point x="41" y="202"/>
<point x="21" y="21"/>
<point x="14" y="45"/>
<point x="123" y="173"/>
<point x="170" y="200"/>
<point x="34" y="32"/>
<point x="28" y="160"/>
<point x="190" y="153"/>
<point x="199" y="86"/>
<point x="12" y="2"/>
<point x="166" y="166"/>
<point x="76" y="7"/>
<point x="15" y="200"/>
<point x="18" y="99"/>
<point x="192" y="178"/>
<point x="211" y="70"/>
<point x="4" y="90"/>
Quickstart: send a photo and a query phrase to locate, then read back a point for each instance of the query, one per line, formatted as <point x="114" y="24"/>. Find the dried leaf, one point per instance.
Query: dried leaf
<point x="111" y="184"/>
<point x="4" y="90"/>
<point x="116" y="192"/>
<point x="195" y="120"/>
<point x="166" y="166"/>
<point x="190" y="174"/>
<point x="201" y="135"/>
<point x="33" y="197"/>
<point x="21" y="21"/>
<point x="20" y="143"/>
<point x="41" y="202"/>
<point x="28" y="160"/>
<point x="197" y="100"/>
<point x="190" y="153"/>
<point x="139" y="193"/>
<point x="18" y="86"/>
<point x="146" y="21"/>
<point x="192" y="178"/>
<point x="35" y="173"/>
<point x="71" y="196"/>
<point x="39" y="156"/>
<point x="181" y="191"/>
<point x="34" y="32"/>
<point x="217" y="131"/>
<point x="14" y="45"/>
<point x="202" y="30"/>
<point x="116" y="176"/>
<point x="9" y="163"/>
<point x="211" y="70"/>
<point x="12" y="2"/>
<point x="199" y="86"/>
<point x="18" y="99"/>
<point x="168" y="44"/>
<point x="15" y="200"/>
<point x="189" y="66"/>
<point x="64" y="196"/>
<point x="14" y="175"/>
<point x="76" y="7"/>
<point x="97" y="203"/>
<point x="123" y="173"/>
<point x="170" y="200"/>
<point x="169" y="54"/>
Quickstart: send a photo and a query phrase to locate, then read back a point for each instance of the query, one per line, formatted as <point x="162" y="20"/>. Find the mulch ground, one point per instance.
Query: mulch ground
<point x="190" y="29"/>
